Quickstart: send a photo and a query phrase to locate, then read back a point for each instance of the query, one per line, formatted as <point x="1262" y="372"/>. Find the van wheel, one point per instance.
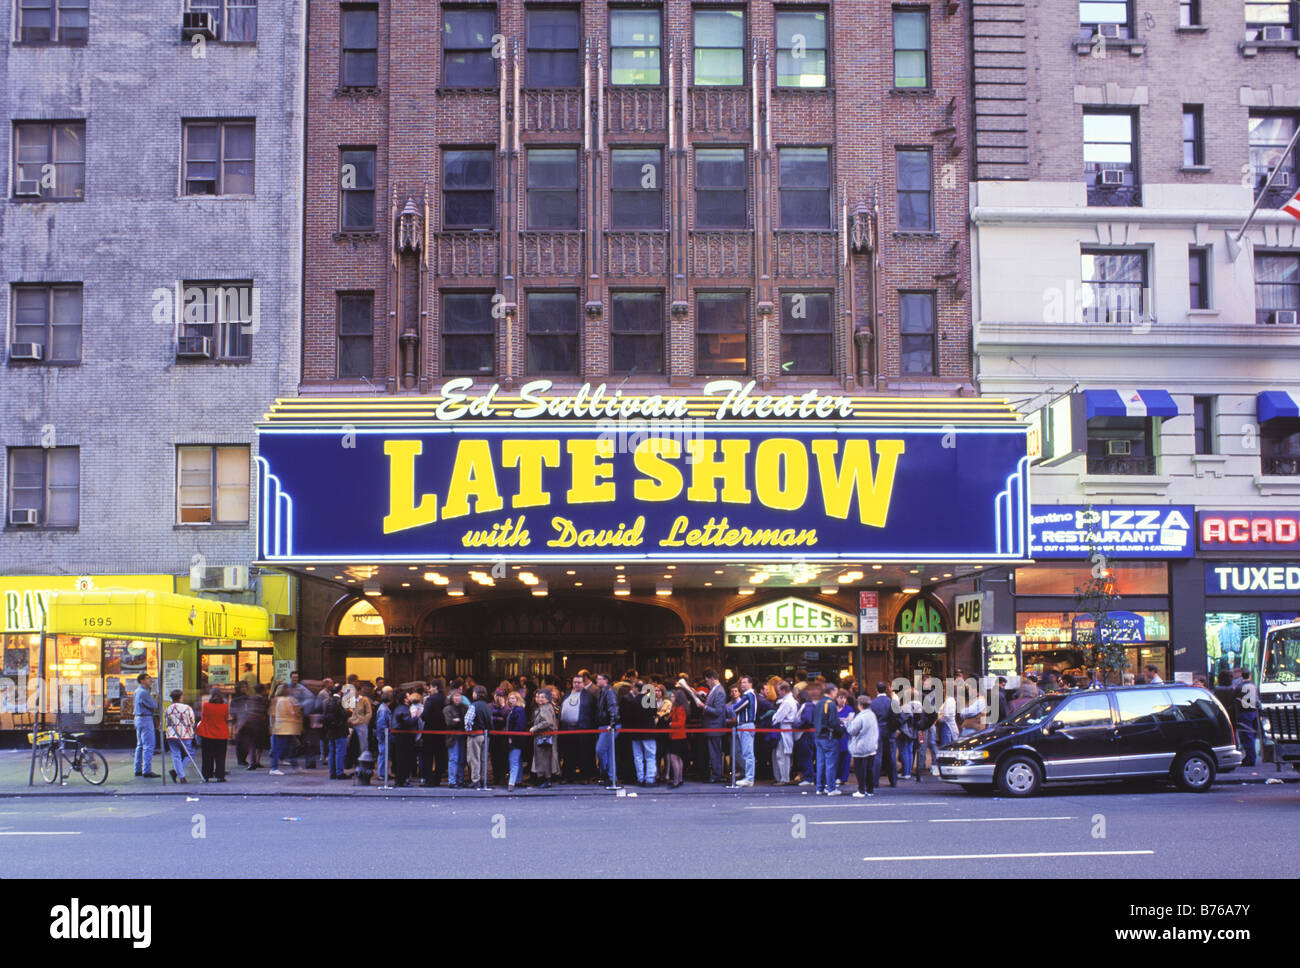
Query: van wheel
<point x="1019" y="776"/>
<point x="1194" y="771"/>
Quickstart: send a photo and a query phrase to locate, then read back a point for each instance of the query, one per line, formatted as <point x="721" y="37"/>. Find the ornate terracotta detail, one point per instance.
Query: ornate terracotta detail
<point x="630" y="254"/>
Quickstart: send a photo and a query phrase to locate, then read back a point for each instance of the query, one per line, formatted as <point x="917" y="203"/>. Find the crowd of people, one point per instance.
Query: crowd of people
<point x="632" y="730"/>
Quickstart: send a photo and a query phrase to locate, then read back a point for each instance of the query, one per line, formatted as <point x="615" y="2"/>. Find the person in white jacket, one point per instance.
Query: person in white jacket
<point x="785" y="718"/>
<point x="864" y="740"/>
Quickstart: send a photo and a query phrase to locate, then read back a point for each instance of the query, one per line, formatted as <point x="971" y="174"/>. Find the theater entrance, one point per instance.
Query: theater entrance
<point x="549" y="638"/>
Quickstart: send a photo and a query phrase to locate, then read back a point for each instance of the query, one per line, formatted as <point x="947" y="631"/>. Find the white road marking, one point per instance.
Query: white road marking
<point x="1046" y="853"/>
<point x="846" y="823"/>
<point x="38" y="833"/>
<point x="855" y="806"/>
<point x="995" y="819"/>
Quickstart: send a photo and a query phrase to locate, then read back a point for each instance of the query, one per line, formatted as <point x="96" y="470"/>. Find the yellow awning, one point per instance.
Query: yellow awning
<point x="144" y="614"/>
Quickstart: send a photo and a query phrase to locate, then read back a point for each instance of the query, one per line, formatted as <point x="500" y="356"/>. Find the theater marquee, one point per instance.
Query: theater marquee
<point x="725" y="475"/>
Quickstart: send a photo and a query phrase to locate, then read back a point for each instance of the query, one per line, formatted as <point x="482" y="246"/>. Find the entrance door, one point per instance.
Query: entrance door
<point x="511" y="665"/>
<point x="367" y="668"/>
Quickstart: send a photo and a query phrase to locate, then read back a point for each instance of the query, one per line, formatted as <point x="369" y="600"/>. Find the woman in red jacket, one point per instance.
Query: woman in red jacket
<point x="214" y="729"/>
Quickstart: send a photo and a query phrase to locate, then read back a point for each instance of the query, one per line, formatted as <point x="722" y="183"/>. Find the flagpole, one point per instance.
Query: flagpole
<point x="1267" y="185"/>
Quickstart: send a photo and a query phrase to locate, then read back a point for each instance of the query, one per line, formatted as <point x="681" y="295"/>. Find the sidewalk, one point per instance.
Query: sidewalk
<point x="14" y="765"/>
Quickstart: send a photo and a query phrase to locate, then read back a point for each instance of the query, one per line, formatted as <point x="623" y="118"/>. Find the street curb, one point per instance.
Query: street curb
<point x="393" y="793"/>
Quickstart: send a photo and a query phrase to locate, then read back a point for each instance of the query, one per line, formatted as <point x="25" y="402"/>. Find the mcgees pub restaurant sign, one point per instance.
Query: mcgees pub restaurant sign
<point x="728" y="474"/>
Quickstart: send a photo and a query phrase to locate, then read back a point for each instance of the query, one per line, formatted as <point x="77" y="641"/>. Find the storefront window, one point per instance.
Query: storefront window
<point x="1050" y="641"/>
<point x="1233" y="639"/>
<point x="1066" y="578"/>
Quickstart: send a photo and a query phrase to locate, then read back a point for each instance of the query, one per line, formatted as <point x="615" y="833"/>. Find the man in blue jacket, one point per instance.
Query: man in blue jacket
<point x="826" y="723"/>
<point x="886" y="709"/>
<point x="745" y="709"/>
<point x="146" y="738"/>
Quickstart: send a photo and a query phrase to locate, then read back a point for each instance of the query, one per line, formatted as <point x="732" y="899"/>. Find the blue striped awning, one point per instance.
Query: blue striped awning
<point x="1130" y="403"/>
<point x="1277" y="403"/>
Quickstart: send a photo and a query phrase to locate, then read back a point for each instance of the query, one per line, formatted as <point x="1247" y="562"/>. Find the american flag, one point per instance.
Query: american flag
<point x="1292" y="207"/>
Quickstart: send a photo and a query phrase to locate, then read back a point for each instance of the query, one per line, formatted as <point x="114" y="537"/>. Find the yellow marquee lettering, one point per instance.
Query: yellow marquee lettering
<point x="875" y="491"/>
<point x="663" y="481"/>
<point x="781" y="458"/>
<point x="592" y="477"/>
<point x="530" y="456"/>
<point x="472" y="475"/>
<point x="403" y="512"/>
<point x="707" y="469"/>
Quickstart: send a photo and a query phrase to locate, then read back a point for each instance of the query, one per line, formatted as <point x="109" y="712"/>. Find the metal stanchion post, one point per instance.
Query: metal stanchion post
<point x="483" y="763"/>
<point x="732" y="784"/>
<point x="613" y="759"/>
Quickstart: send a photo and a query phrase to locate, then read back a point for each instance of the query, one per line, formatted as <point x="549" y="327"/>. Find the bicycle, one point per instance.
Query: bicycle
<point x="66" y="749"/>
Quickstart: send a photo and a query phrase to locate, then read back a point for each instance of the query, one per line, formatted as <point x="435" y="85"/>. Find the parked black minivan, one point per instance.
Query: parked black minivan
<point x="1116" y="733"/>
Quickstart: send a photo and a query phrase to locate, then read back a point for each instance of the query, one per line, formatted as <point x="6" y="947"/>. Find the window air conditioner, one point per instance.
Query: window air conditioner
<point x="23" y="516"/>
<point x="198" y="23"/>
<point x="1112" y="176"/>
<point x="26" y="351"/>
<point x="1274" y="33"/>
<point x="1109" y="31"/>
<point x="28" y="188"/>
<point x="1118" y="448"/>
<point x="234" y="578"/>
<point x="194" y="347"/>
<point x="1282" y="317"/>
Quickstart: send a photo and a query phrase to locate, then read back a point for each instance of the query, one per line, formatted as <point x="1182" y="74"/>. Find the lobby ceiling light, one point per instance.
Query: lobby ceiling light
<point x="540" y="589"/>
<point x="618" y="567"/>
<point x="672" y="567"/>
<point x="829" y="590"/>
<point x="746" y="589"/>
<point x="717" y="571"/>
<point x="456" y="589"/>
<point x="577" y="584"/>
<point x="372" y="588"/>
<point x="311" y="567"/>
<point x="845" y="578"/>
<point x="663" y="588"/>
<point x="914" y="571"/>
<point x="911" y="591"/>
<point x="622" y="590"/>
<point x="406" y="584"/>
<point x="877" y="567"/>
<point x="436" y="578"/>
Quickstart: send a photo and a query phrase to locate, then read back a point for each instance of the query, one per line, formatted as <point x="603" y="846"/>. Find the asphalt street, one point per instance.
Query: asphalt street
<point x="924" y="830"/>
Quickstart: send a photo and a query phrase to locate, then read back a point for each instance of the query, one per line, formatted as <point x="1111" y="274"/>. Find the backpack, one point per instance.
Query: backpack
<point x="335" y="715"/>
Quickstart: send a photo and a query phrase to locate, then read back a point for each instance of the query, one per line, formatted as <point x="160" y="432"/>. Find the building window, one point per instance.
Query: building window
<point x="467" y="188"/>
<point x="1113" y="286"/>
<point x="236" y="20"/>
<point x="801" y="48"/>
<point x="552" y="332"/>
<point x="553" y="39"/>
<point x="719" y="47"/>
<point x="467" y="47"/>
<point x="1110" y="18"/>
<point x="468" y="333"/>
<point x="356" y="334"/>
<point x="721" y="333"/>
<point x="911" y="47"/>
<point x="359" y="36"/>
<point x="1270" y="20"/>
<point x="212" y="485"/>
<point x="1193" y="136"/>
<point x="46" y="482"/>
<point x="1203" y="418"/>
<point x="1270" y="134"/>
<point x="218" y="157"/>
<point x="1122" y="445"/>
<point x="1189" y="13"/>
<point x="223" y="313"/>
<point x="917" y="330"/>
<point x="635" y="47"/>
<point x="1279" y="441"/>
<point x="720" y="179"/>
<point x="357" y="190"/>
<point x="48" y="317"/>
<point x="636" y="199"/>
<point x="553" y="188"/>
<point x="806" y="332"/>
<point x="1198" y="277"/>
<point x="1108" y="158"/>
<point x="53" y="21"/>
<point x="636" y="332"/>
<point x="1277" y="288"/>
<point x="805" y="186"/>
<point x="915" y="201"/>
<point x="50" y="160"/>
